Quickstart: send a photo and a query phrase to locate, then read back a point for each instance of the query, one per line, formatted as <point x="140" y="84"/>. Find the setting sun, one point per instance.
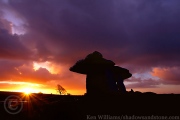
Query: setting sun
<point x="27" y="91"/>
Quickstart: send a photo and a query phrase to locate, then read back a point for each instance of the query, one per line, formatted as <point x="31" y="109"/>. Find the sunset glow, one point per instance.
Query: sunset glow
<point x="52" y="68"/>
<point x="28" y="91"/>
<point x="39" y="45"/>
<point x="25" y="87"/>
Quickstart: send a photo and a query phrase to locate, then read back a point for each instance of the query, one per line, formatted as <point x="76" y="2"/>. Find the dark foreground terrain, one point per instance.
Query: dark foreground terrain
<point x="69" y="107"/>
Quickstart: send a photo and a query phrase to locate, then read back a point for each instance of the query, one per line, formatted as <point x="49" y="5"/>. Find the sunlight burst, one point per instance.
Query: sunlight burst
<point x="28" y="91"/>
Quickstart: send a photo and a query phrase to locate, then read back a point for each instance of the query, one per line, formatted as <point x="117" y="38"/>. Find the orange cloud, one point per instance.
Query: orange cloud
<point x="17" y="75"/>
<point x="168" y="75"/>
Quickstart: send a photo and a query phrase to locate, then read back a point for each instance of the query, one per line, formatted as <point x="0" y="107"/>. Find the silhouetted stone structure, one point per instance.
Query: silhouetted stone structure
<point x="103" y="77"/>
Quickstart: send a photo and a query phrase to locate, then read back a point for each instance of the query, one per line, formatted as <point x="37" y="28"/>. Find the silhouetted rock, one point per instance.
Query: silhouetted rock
<point x="92" y="61"/>
<point x="132" y="91"/>
<point x="103" y="77"/>
<point x="119" y="75"/>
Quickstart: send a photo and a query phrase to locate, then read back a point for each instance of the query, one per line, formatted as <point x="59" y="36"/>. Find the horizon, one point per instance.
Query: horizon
<point x="22" y="92"/>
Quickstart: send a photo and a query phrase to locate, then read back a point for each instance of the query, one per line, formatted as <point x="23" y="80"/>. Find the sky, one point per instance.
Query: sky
<point x="41" y="39"/>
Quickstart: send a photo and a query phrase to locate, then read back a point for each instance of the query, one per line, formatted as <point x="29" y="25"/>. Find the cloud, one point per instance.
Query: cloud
<point x="165" y="76"/>
<point x="5" y="25"/>
<point x="137" y="32"/>
<point x="139" y="35"/>
<point x="7" y="68"/>
<point x="139" y="83"/>
<point x="23" y="71"/>
<point x="11" y="47"/>
<point x="16" y="71"/>
<point x="168" y="75"/>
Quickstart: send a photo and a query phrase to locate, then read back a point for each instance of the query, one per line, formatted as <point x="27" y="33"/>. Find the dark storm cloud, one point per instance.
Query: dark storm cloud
<point x="11" y="47"/>
<point x="70" y="28"/>
<point x="137" y="33"/>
